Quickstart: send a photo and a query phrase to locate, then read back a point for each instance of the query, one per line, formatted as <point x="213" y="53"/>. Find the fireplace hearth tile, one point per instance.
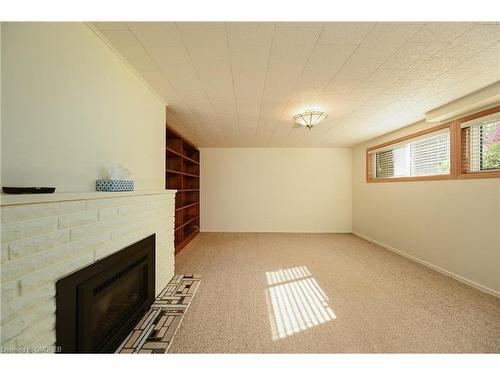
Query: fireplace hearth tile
<point x="156" y="330"/>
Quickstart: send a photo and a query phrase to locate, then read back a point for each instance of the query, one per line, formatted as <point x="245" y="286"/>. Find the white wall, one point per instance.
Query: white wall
<point x="453" y="225"/>
<point x="275" y="190"/>
<point x="70" y="107"/>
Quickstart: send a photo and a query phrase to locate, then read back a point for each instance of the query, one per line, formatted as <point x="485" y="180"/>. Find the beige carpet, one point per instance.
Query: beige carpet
<point x="325" y="293"/>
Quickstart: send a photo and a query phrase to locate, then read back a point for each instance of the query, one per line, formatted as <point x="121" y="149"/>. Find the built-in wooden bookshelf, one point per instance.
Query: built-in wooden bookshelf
<point x="183" y="174"/>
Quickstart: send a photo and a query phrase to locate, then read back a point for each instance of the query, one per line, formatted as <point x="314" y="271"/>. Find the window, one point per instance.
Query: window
<point x="468" y="147"/>
<point x="430" y="156"/>
<point x="391" y="163"/>
<point x="427" y="155"/>
<point x="481" y="144"/>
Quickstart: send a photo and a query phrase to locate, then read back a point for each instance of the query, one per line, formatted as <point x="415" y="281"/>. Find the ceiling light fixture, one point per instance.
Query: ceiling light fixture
<point x="309" y="118"/>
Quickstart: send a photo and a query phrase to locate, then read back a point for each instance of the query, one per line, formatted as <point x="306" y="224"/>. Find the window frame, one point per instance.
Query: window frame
<point x="457" y="170"/>
<point x="462" y="173"/>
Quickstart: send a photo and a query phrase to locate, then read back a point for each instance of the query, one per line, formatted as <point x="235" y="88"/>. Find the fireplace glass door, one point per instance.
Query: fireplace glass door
<point x="110" y="300"/>
<point x="99" y="305"/>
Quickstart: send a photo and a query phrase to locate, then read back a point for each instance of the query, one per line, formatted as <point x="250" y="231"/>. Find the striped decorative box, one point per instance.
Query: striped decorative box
<point x="114" y="185"/>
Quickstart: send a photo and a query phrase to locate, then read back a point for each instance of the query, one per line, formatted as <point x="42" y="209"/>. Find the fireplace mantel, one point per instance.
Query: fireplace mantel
<point x="47" y="236"/>
<point x="16" y="199"/>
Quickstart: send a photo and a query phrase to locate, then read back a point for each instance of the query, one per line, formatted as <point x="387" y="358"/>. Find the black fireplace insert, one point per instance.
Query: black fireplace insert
<point x="98" y="306"/>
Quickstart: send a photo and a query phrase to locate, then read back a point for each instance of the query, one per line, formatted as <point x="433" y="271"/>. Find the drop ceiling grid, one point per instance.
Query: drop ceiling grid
<point x="212" y="39"/>
<point x="210" y="58"/>
<point x="233" y="87"/>
<point x="445" y="89"/>
<point x="175" y="101"/>
<point x="287" y="60"/>
<point x="127" y="44"/>
<point x="178" y="125"/>
<point x="354" y="78"/>
<point x="400" y="92"/>
<point x="361" y="113"/>
<point x="391" y="117"/>
<point x="317" y="75"/>
<point x="473" y="83"/>
<point x="250" y="63"/>
<point x="266" y="75"/>
<point x="164" y="44"/>
<point x="186" y="117"/>
<point x="441" y="32"/>
<point x="297" y="136"/>
<point x="361" y="91"/>
<point x="381" y="30"/>
<point x="298" y="38"/>
<point x="266" y="71"/>
<point x="377" y="97"/>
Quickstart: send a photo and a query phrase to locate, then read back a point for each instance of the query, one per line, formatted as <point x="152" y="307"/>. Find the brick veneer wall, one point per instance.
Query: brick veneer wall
<point x="43" y="242"/>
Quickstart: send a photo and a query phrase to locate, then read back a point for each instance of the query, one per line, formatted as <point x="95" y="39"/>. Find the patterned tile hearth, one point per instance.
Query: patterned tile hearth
<point x="156" y="330"/>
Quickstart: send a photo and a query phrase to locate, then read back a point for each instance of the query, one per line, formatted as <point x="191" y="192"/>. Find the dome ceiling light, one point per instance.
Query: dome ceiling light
<point x="309" y="118"/>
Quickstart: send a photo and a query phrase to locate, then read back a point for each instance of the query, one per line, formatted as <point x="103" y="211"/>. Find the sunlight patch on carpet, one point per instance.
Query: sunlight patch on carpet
<point x="296" y="302"/>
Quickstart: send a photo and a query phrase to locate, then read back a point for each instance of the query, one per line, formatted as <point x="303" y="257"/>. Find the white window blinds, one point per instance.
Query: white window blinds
<point x="391" y="163"/>
<point x="427" y="155"/>
<point x="430" y="156"/>
<point x="481" y="144"/>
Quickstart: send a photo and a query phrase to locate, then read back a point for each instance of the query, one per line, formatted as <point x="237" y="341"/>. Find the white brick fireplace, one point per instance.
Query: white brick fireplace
<point x="45" y="237"/>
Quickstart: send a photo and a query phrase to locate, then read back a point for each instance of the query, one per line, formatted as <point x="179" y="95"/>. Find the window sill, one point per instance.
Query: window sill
<point x="484" y="174"/>
<point x="463" y="176"/>
<point x="412" y="179"/>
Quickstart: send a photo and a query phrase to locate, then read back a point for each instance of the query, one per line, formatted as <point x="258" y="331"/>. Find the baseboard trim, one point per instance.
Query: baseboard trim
<point x="203" y="230"/>
<point x="429" y="265"/>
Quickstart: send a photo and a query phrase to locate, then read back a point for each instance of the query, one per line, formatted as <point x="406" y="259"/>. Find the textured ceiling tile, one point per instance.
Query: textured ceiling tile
<point x="440" y="32"/>
<point x="185" y="117"/>
<point x="361" y="64"/>
<point x="111" y="25"/>
<point x="179" y="126"/>
<point x="156" y="34"/>
<point x="207" y="50"/>
<point x="249" y="70"/>
<point x="394" y="34"/>
<point x="472" y="41"/>
<point x="250" y="32"/>
<point x="388" y="37"/>
<point x="345" y="32"/>
<point x="324" y="63"/>
<point x="134" y="53"/>
<point x="412" y="54"/>
<point x="199" y="26"/>
<point x="209" y="35"/>
<point x="249" y="64"/>
<point x="291" y="50"/>
<point x="299" y="25"/>
<point x="300" y="38"/>
<point x="233" y="84"/>
<point x="472" y="83"/>
<point x="432" y="68"/>
<point x="281" y="131"/>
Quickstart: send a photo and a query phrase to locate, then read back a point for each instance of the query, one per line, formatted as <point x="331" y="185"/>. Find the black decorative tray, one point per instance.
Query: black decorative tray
<point x="28" y="190"/>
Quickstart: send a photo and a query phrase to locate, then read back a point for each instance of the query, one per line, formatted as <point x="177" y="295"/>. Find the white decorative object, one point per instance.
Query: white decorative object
<point x="118" y="180"/>
<point x="114" y="185"/>
<point x="117" y="172"/>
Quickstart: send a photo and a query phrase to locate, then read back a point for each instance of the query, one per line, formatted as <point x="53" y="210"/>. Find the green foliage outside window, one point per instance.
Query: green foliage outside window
<point x="491" y="147"/>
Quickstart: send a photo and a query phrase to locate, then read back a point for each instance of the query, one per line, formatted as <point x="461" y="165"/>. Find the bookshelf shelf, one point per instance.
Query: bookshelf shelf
<point x="187" y="206"/>
<point x="182" y="160"/>
<point x="183" y="173"/>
